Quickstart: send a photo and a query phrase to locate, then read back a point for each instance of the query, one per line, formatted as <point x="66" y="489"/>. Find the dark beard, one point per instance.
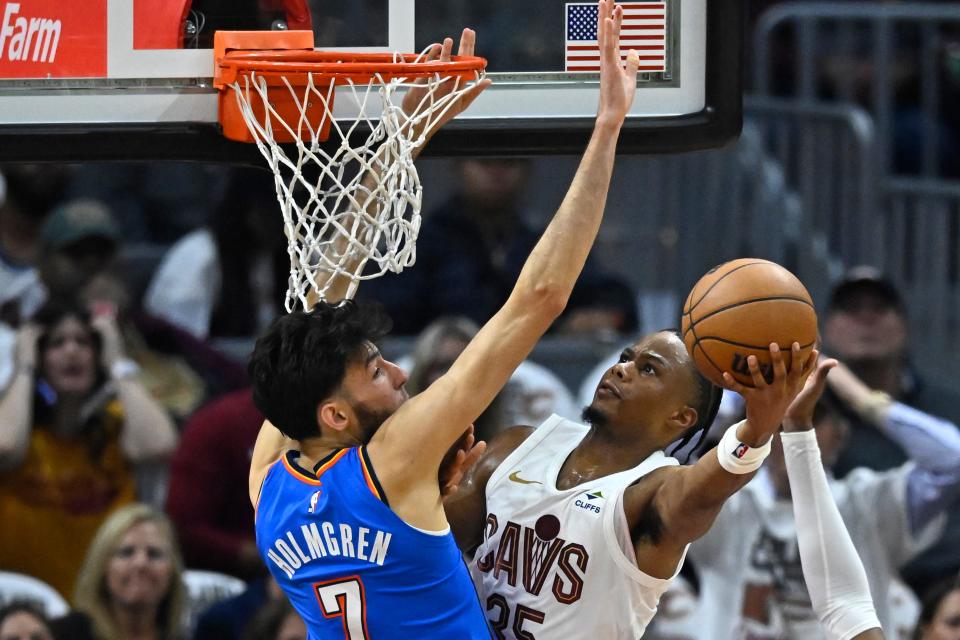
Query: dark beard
<point x="369" y="421"/>
<point x="594" y="417"/>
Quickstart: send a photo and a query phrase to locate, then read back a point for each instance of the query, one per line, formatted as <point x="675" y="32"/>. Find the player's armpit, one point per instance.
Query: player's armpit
<point x="466" y="509"/>
<point x="270" y="445"/>
<point x="871" y="634"/>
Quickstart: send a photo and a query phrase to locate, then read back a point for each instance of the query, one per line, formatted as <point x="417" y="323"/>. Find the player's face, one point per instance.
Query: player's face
<point x="866" y="328"/>
<point x="649" y="384"/>
<point x="23" y="625"/>
<point x="375" y="388"/>
<point x="140" y="568"/>
<point x="69" y="360"/>
<point x="946" y="621"/>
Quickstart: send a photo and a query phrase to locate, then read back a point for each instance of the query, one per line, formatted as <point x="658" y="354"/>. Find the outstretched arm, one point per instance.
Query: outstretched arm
<point x="684" y="501"/>
<point x="835" y="577"/>
<point x="932" y="443"/>
<point x="426" y="426"/>
<point x="271" y="444"/>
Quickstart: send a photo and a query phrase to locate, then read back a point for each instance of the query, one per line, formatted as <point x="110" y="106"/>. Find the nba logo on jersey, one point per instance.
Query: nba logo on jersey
<point x="741" y="450"/>
<point x="313" y="501"/>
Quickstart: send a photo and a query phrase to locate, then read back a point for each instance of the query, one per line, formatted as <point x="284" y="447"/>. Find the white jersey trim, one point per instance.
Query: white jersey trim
<point x="617" y="518"/>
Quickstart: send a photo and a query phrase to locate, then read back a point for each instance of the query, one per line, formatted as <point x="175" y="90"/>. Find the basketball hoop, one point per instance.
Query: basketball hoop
<point x="348" y="189"/>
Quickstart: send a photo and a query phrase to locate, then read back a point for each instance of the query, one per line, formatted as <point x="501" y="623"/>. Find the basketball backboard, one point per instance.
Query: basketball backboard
<point x="132" y="79"/>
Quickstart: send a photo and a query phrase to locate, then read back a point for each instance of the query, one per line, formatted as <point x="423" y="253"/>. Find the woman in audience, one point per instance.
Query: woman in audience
<point x="130" y="587"/>
<point x="75" y="424"/>
<point x="23" y="621"/>
<point x="940" y="615"/>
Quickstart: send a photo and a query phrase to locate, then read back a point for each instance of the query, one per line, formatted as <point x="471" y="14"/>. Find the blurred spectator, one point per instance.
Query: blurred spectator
<point x="940" y="616"/>
<point x="168" y="375"/>
<point x="277" y="621"/>
<point x="866" y="328"/>
<point x="27" y="194"/>
<point x="748" y="563"/>
<point x="131" y="585"/>
<point x="213" y="518"/>
<point x="228" y="279"/>
<point x="531" y="395"/>
<point x="77" y="241"/>
<point x="74" y="425"/>
<point x="80" y="240"/>
<point x="228" y="619"/>
<point x="23" y="621"/>
<point x="470" y="253"/>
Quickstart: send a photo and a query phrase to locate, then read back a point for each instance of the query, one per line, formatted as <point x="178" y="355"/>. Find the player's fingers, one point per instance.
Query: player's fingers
<point x="753" y="365"/>
<point x="779" y="366"/>
<point x="633" y="65"/>
<point x="730" y="383"/>
<point x="796" y="362"/>
<point x="811" y="364"/>
<point x="434" y="51"/>
<point x="468" y="41"/>
<point x="446" y="50"/>
<point x="614" y="33"/>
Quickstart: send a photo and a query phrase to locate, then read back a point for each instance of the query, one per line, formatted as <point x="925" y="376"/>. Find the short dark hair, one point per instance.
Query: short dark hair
<point x="302" y="357"/>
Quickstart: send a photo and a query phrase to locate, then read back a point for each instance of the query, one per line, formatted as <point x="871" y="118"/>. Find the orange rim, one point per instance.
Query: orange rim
<point x="339" y="66"/>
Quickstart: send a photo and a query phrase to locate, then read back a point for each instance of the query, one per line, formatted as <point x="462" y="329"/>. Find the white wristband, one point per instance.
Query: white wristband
<point x="738" y="457"/>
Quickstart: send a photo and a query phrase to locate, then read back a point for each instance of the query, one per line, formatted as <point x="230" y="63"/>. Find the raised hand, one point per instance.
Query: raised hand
<point x="767" y="403"/>
<point x="618" y="82"/>
<point x="799" y="416"/>
<point x="459" y="459"/>
<point x="414" y="98"/>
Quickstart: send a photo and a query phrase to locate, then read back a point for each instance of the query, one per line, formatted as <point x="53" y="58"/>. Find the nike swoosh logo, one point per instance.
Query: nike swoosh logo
<point x="515" y="477"/>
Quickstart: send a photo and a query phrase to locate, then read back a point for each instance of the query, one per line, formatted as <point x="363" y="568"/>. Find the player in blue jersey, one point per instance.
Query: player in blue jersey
<point x="350" y="518"/>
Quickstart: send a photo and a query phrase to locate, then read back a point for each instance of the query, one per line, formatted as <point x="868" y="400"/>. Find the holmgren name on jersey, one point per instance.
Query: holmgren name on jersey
<point x="328" y="539"/>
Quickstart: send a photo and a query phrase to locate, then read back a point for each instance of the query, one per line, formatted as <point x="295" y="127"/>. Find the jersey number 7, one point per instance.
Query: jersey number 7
<point x="344" y="598"/>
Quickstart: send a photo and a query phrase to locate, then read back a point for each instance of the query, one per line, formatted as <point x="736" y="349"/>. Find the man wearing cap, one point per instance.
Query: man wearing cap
<point x="894" y="415"/>
<point x="77" y="241"/>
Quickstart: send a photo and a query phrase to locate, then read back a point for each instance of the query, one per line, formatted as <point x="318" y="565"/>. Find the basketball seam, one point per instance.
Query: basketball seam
<point x="741" y="303"/>
<point x="743" y="344"/>
<point x="709" y="359"/>
<point x="719" y="280"/>
<point x="693" y="350"/>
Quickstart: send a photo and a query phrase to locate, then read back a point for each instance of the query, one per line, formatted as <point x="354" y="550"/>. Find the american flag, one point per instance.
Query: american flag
<point x="644" y="30"/>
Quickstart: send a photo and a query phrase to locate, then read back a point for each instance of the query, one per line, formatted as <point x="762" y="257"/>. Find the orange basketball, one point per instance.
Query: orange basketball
<point x="738" y="309"/>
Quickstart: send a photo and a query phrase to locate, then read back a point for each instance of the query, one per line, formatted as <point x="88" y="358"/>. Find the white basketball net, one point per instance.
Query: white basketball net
<point x="364" y="209"/>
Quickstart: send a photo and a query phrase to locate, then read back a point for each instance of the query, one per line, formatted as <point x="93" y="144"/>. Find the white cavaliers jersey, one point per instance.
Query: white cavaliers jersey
<point x="561" y="564"/>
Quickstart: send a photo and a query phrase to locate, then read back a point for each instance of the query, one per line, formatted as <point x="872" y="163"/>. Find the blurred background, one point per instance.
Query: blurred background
<point x="847" y="173"/>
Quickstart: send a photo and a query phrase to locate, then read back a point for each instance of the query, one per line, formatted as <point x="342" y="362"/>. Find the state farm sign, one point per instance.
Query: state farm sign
<point x="53" y="39"/>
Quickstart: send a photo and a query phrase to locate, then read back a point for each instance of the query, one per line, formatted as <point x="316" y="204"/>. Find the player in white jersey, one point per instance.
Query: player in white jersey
<point x="578" y="529"/>
<point x="834" y="574"/>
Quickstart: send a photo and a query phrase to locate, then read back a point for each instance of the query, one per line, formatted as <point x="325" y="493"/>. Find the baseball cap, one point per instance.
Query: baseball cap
<point x="78" y="220"/>
<point x="865" y="279"/>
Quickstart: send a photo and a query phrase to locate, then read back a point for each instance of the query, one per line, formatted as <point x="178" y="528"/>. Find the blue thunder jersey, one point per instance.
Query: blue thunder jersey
<point x="350" y="566"/>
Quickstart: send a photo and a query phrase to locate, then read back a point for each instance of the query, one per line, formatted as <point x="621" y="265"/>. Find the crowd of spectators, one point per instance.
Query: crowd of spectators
<point x="106" y="407"/>
<point x="126" y="422"/>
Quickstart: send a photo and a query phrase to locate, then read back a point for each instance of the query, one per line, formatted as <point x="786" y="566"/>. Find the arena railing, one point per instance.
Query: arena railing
<point x="886" y="56"/>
